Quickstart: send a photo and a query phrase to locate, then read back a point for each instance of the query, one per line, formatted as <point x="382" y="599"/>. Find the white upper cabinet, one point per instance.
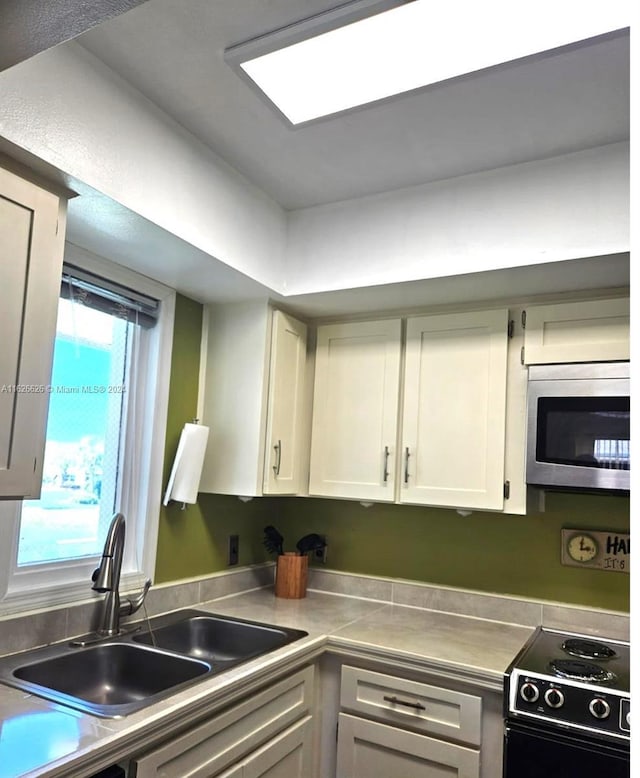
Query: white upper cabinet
<point x="355" y="410"/>
<point x="32" y="222"/>
<point x="453" y="423"/>
<point x="452" y="406"/>
<point x="284" y="455"/>
<point x="587" y="331"/>
<point x="254" y="398"/>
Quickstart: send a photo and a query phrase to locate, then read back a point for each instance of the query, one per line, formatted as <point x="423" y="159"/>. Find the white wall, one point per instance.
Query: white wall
<point x="70" y="110"/>
<point x="561" y="208"/>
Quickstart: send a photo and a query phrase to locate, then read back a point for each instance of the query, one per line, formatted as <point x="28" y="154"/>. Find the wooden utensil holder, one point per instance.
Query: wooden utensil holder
<point x="291" y="575"/>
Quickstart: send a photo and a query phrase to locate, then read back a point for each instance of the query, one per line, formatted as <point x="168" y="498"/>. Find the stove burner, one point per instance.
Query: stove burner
<point x="580" y="671"/>
<point x="587" y="649"/>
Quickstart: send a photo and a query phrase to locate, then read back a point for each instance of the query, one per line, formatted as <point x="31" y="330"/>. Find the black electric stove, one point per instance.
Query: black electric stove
<point x="575" y="681"/>
<point x="567" y="707"/>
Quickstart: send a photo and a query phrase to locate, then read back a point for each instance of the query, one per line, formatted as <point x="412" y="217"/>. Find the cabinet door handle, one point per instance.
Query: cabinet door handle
<point x="406" y="703"/>
<point x="278" y="449"/>
<point x="406" y="465"/>
<point x="385" y="473"/>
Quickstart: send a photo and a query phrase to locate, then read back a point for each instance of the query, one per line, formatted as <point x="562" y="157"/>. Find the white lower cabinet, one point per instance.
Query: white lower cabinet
<point x="268" y="735"/>
<point x="367" y="749"/>
<point x="234" y="772"/>
<point x="392" y="727"/>
<point x="287" y="756"/>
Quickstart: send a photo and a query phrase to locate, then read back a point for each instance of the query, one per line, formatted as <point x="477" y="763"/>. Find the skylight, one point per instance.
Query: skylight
<point x="411" y="46"/>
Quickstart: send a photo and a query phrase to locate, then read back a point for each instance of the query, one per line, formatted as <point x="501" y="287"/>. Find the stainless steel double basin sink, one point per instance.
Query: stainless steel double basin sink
<point x="118" y="676"/>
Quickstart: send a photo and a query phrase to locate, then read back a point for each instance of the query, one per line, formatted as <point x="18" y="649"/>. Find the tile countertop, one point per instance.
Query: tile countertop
<point x="38" y="738"/>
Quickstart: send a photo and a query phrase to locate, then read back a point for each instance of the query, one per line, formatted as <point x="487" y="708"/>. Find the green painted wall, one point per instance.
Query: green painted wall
<point x="194" y="541"/>
<point x="490" y="552"/>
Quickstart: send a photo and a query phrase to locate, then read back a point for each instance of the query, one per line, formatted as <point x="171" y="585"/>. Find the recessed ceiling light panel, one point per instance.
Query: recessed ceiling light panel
<point x="329" y="64"/>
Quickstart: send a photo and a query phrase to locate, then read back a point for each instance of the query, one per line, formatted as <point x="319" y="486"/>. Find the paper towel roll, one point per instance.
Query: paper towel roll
<point x="187" y="466"/>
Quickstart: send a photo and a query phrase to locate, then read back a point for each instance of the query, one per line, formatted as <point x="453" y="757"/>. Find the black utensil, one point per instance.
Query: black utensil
<point x="273" y="540"/>
<point x="312" y="542"/>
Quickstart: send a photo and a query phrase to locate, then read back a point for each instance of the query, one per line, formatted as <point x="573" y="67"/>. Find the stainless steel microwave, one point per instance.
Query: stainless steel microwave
<point x="578" y="426"/>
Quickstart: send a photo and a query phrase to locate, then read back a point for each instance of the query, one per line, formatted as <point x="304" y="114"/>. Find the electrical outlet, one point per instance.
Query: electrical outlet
<point x="234" y="549"/>
<point x="321" y="553"/>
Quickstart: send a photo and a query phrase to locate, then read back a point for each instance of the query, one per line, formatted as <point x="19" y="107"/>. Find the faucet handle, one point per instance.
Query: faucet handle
<point x="130" y="605"/>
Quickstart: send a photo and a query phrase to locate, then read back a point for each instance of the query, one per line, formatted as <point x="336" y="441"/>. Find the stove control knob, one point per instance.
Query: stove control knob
<point x="600" y="709"/>
<point x="628" y="718"/>
<point x="529" y="692"/>
<point x="554" y="698"/>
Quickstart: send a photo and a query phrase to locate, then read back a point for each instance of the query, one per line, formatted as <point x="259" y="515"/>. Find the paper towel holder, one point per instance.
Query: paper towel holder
<point x="184" y="480"/>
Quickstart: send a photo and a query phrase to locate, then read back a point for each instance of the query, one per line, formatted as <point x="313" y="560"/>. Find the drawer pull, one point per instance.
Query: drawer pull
<point x="396" y="701"/>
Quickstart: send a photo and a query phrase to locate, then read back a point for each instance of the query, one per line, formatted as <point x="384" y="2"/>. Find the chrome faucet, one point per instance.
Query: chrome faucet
<point x="106" y="579"/>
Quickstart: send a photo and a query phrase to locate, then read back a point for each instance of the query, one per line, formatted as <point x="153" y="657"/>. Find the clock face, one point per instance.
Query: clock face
<point x="582" y="548"/>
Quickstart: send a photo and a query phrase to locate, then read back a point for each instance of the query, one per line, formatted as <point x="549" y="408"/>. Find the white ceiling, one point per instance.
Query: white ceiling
<point x="172" y="52"/>
<point x="27" y="28"/>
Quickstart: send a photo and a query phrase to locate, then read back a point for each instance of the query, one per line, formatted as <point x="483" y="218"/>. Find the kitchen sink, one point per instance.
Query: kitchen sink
<point x="118" y="676"/>
<point x="110" y="678"/>
<point x="218" y="640"/>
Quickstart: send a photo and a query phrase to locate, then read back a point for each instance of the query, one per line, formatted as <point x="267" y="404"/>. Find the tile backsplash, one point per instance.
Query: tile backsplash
<point x="19" y="633"/>
<point x="495" y="607"/>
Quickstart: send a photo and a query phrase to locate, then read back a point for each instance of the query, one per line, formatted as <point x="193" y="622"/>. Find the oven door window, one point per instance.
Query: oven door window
<point x="584" y="432"/>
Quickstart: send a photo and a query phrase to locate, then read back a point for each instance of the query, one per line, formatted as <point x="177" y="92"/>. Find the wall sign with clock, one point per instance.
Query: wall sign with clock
<point x="601" y="550"/>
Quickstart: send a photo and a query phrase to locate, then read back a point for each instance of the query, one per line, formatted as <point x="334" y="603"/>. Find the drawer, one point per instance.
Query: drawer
<point x="411" y="704"/>
<point x="226" y="738"/>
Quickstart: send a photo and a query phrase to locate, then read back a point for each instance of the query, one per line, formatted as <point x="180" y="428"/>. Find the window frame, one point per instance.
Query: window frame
<point x="68" y="581"/>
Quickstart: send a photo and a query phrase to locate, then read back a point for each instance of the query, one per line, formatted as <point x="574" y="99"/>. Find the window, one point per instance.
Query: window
<point x="87" y="410"/>
<point x="107" y="412"/>
<point x="613" y="454"/>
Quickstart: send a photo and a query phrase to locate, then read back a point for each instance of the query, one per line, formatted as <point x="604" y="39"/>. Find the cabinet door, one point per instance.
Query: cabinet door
<point x="453" y="428"/>
<point x="253" y="399"/>
<point x="282" y="471"/>
<point x="31" y="249"/>
<point x="223" y="741"/>
<point x="236" y="397"/>
<point x="355" y="409"/>
<point x="367" y="749"/>
<point x="590" y="331"/>
<point x="287" y="756"/>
